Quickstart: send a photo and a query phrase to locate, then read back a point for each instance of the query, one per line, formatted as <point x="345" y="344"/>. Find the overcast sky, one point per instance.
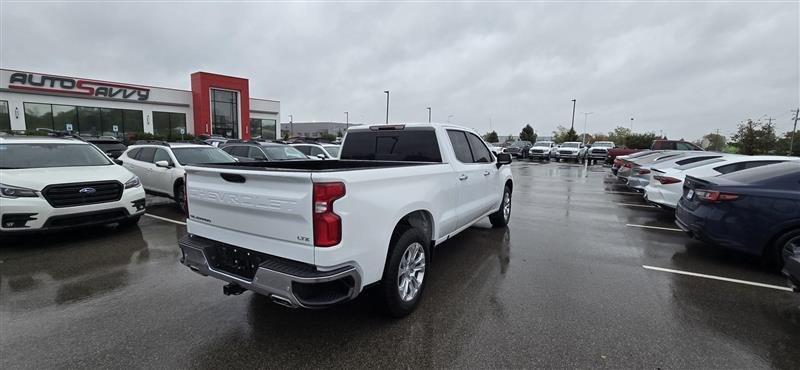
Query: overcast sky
<point x="686" y="69"/>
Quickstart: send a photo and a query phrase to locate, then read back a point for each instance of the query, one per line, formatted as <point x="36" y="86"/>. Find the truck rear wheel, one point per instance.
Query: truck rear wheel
<point x="503" y="215"/>
<point x="404" y="275"/>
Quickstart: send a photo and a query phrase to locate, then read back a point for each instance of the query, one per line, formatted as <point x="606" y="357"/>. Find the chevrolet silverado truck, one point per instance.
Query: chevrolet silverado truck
<point x="315" y="233"/>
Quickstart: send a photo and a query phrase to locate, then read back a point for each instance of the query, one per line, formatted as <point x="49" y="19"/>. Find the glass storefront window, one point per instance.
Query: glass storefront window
<point x="38" y="116"/>
<point x="169" y="125"/>
<point x="263" y="128"/>
<point x="110" y="118"/>
<point x="89" y="120"/>
<point x="133" y="121"/>
<point x="63" y="115"/>
<point x="5" y="116"/>
<point x="225" y="115"/>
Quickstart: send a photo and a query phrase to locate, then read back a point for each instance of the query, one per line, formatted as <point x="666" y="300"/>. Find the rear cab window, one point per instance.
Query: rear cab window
<point x="408" y="145"/>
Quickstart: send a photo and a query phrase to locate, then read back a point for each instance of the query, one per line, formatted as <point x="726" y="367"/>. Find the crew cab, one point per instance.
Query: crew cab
<point x="568" y="150"/>
<point x="599" y="150"/>
<point x="541" y="150"/>
<point x="316" y="233"/>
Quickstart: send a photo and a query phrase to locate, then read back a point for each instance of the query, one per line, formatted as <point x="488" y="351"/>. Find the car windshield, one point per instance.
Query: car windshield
<point x="570" y="145"/>
<point x="519" y="144"/>
<point x="283" y="153"/>
<point x="198" y="155"/>
<point x="542" y="143"/>
<point x="13" y="156"/>
<point x="332" y="149"/>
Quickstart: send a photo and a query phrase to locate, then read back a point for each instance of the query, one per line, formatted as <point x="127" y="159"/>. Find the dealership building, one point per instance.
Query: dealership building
<point x="215" y="105"/>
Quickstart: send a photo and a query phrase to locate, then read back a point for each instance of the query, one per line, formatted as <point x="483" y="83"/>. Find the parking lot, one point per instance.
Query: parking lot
<point x="586" y="275"/>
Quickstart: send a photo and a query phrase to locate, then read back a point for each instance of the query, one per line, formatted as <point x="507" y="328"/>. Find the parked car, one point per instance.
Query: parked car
<point x="666" y="187"/>
<point x="321" y="151"/>
<point x="619" y="161"/>
<point x="264" y="151"/>
<point x="542" y="150"/>
<point x="628" y="165"/>
<point x="519" y="149"/>
<point x="109" y="145"/>
<point x="755" y="210"/>
<point x="568" y="151"/>
<point x="53" y="183"/>
<point x="161" y="165"/>
<point x="598" y="150"/>
<point x="497" y="149"/>
<point x="656" y="145"/>
<point x="641" y="173"/>
<point x="315" y="233"/>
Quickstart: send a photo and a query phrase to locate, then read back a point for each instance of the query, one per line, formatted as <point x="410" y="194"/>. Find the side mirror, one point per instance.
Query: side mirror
<point x="163" y="164"/>
<point x="322" y="156"/>
<point x="503" y="159"/>
<point x="117" y="161"/>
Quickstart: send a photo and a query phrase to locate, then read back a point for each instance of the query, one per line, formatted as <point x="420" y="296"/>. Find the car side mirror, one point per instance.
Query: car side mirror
<point x="117" y="161"/>
<point x="322" y="156"/>
<point x="163" y="164"/>
<point x="503" y="159"/>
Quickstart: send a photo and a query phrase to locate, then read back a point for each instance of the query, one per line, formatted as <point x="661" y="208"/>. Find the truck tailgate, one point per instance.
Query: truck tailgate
<point x="264" y="211"/>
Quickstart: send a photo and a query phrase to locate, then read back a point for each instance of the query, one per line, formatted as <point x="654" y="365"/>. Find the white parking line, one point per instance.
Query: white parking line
<point x="653" y="227"/>
<point x="719" y="278"/>
<point x="165" y="219"/>
<point x="636" y="205"/>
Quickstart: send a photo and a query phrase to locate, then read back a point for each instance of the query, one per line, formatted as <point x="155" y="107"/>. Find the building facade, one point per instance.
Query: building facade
<point x="216" y="104"/>
<point x="314" y="129"/>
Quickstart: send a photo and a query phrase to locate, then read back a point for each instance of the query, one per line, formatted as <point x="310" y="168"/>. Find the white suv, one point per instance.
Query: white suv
<point x="160" y="165"/>
<point x="321" y="151"/>
<point x="55" y="183"/>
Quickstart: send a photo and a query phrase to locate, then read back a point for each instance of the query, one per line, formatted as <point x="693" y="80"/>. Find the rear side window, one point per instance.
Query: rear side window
<point x="685" y="146"/>
<point x="305" y="149"/>
<point x="256" y="153"/>
<point x="734" y="167"/>
<point x="695" y="159"/>
<point x="147" y="154"/>
<point x="410" y="145"/>
<point x="460" y="146"/>
<point x="317" y="151"/>
<point x="134" y="152"/>
<point x="240" y="151"/>
<point x="479" y="152"/>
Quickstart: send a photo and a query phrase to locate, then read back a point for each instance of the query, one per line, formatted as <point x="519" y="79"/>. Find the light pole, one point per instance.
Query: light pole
<point x="291" y="125"/>
<point x="573" y="115"/>
<point x="429" y="114"/>
<point x="347" y="120"/>
<point x="585" y="118"/>
<point x="448" y="117"/>
<point x="631" y="124"/>
<point x="387" y="106"/>
<point x="794" y="132"/>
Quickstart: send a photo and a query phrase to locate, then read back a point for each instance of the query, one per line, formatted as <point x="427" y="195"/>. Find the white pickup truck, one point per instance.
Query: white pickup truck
<point x="315" y="233"/>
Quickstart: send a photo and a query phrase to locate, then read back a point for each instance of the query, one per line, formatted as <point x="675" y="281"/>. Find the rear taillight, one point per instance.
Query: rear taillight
<point x="666" y="180"/>
<point x="628" y="165"/>
<point x="714" y="196"/>
<point x="327" y="225"/>
<point x="642" y="171"/>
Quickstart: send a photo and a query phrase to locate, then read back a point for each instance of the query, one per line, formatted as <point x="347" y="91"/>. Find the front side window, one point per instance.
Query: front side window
<point x="256" y="153"/>
<point x="479" y="152"/>
<point x="162" y="155"/>
<point x="305" y="149"/>
<point x="283" y="153"/>
<point x="333" y="150"/>
<point x="317" y="151"/>
<point x="15" y="156"/>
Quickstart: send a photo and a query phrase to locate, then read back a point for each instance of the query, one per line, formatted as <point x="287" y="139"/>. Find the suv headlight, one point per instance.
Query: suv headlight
<point x="8" y="191"/>
<point x="133" y="182"/>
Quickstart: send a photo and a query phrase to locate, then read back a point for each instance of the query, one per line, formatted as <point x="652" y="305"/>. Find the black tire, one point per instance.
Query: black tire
<point x="180" y="197"/>
<point x="392" y="301"/>
<point x="128" y="222"/>
<point x="501" y="218"/>
<point x="773" y="255"/>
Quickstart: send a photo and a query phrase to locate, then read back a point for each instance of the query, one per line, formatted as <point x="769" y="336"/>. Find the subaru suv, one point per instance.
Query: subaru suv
<point x="55" y="183"/>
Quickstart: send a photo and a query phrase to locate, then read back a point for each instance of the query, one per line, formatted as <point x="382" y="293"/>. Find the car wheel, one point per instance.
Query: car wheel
<point x="774" y="254"/>
<point x="503" y="215"/>
<point x="180" y="197"/>
<point x="404" y="275"/>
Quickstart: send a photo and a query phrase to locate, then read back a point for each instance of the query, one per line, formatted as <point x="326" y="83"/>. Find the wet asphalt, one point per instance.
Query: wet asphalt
<point x="562" y="286"/>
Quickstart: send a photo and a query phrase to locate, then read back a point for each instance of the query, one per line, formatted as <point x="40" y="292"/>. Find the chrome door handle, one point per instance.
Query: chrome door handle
<point x="463" y="177"/>
<point x="486" y="173"/>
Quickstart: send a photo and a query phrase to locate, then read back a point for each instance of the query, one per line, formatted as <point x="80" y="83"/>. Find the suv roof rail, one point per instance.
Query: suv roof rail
<point x="152" y="142"/>
<point x="198" y="142"/>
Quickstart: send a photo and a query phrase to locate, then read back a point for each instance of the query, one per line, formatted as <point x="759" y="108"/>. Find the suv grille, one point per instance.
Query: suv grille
<point x="79" y="194"/>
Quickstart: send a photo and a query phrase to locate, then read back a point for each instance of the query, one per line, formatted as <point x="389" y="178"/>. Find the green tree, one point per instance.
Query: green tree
<point x="491" y="137"/>
<point x="716" y="142"/>
<point x="286" y="135"/>
<point x="619" y="136"/>
<point x="560" y="134"/>
<point x="640" y="141"/>
<point x="571" y="135"/>
<point x="755" y="137"/>
<point x="782" y="146"/>
<point x="527" y="134"/>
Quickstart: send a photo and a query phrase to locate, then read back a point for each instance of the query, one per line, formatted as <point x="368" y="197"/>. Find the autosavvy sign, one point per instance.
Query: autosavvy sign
<point x="67" y="85"/>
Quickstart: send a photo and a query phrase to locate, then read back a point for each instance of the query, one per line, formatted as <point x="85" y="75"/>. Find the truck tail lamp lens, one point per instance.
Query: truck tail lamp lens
<point x="327" y="225"/>
<point x="666" y="180"/>
<point x="714" y="196"/>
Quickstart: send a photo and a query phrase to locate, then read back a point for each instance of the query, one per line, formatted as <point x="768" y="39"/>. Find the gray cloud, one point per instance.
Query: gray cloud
<point x="686" y="69"/>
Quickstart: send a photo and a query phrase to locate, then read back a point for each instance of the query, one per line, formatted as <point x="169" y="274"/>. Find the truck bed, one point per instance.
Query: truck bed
<point x="313" y="165"/>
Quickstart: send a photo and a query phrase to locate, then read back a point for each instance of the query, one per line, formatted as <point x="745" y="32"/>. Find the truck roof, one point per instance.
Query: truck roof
<point x="400" y="126"/>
